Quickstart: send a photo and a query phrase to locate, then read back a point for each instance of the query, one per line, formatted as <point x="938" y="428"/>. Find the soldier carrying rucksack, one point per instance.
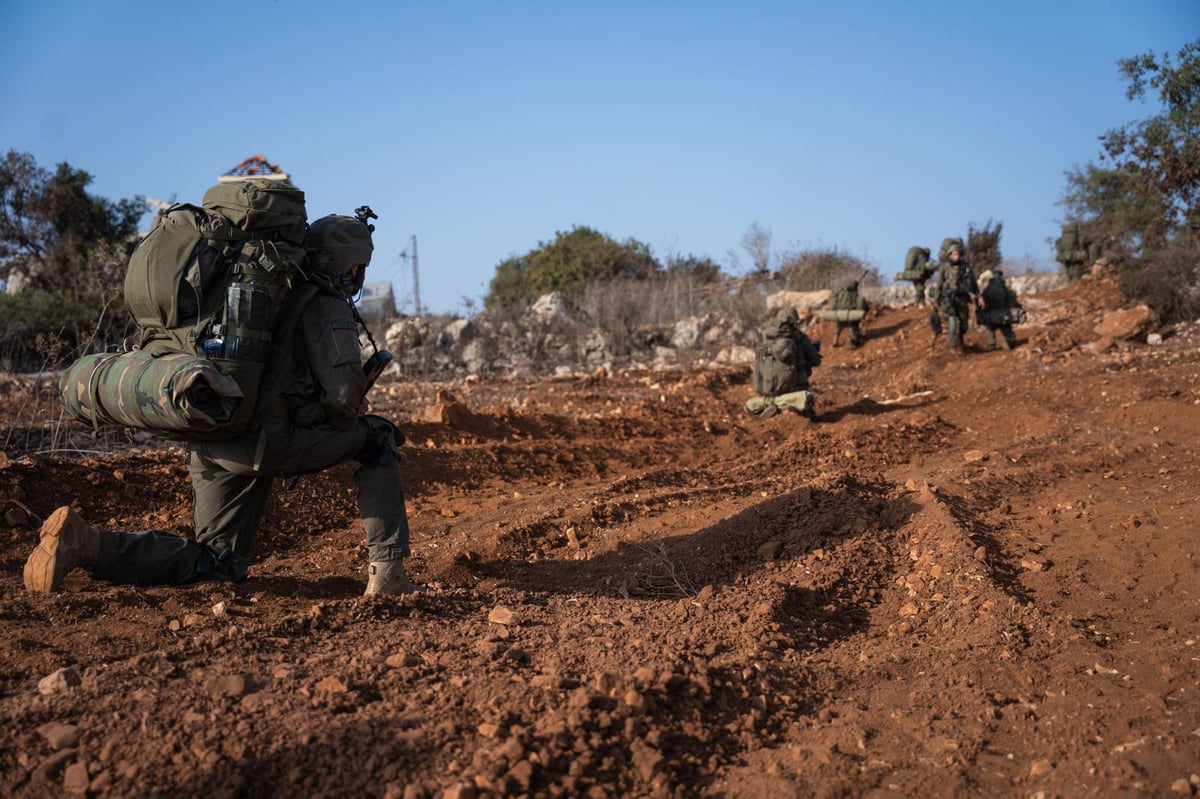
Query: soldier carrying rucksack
<point x="286" y="349"/>
<point x="917" y="270"/>
<point x="782" y="366"/>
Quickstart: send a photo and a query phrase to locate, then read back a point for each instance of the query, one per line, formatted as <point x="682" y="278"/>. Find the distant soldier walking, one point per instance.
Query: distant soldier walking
<point x="848" y="300"/>
<point x="957" y="291"/>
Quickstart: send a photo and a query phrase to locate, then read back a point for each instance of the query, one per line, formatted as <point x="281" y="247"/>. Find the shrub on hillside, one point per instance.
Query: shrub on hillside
<point x="1168" y="280"/>
<point x="813" y="270"/>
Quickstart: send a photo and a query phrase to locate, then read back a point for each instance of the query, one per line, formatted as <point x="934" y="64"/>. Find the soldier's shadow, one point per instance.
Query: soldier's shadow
<point x="869" y="407"/>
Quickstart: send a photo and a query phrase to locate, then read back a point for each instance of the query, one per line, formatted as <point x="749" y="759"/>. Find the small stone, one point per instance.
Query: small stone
<point x="60" y="736"/>
<point x="973" y="455"/>
<point x="909" y="609"/>
<point x="573" y="538"/>
<point x="220" y="609"/>
<point x="1181" y="786"/>
<point x="980" y="554"/>
<point x="1154" y="339"/>
<point x="401" y="660"/>
<point x="229" y="685"/>
<point x="502" y="615"/>
<point x="174" y="625"/>
<point x="489" y="730"/>
<point x="1032" y="564"/>
<point x="192" y="619"/>
<point x="61" y="680"/>
<point x="1040" y="768"/>
<point x="332" y="685"/>
<point x="76" y="779"/>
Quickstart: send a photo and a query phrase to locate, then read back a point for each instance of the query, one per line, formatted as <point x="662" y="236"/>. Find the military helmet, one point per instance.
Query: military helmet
<point x="787" y="316"/>
<point x="336" y="244"/>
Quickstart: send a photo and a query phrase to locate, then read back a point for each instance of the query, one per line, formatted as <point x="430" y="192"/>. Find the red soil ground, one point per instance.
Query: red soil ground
<point x="976" y="575"/>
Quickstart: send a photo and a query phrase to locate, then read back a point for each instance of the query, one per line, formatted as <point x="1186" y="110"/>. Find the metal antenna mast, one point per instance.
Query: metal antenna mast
<point x="416" y="277"/>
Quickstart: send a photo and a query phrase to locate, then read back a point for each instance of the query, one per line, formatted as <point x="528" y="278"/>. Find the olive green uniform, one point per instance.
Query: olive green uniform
<point x="956" y="291"/>
<point x="307" y="420"/>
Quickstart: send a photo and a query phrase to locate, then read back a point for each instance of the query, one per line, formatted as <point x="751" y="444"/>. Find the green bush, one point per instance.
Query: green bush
<point x="1168" y="280"/>
<point x="813" y="270"/>
<point x="569" y="263"/>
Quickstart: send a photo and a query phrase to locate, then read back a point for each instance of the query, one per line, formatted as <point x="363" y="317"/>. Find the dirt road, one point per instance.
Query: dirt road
<point x="976" y="575"/>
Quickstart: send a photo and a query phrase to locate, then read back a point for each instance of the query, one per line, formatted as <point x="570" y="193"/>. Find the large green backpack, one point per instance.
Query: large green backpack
<point x="916" y="258"/>
<point x="775" y="364"/>
<point x="1070" y="246"/>
<point x="206" y="283"/>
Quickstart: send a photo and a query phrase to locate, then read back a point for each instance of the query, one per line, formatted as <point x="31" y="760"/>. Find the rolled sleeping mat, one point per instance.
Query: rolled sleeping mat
<point x="167" y="393"/>
<point x="844" y="315"/>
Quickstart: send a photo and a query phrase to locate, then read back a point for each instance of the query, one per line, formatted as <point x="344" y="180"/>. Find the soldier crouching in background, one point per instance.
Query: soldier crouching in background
<point x="782" y="367"/>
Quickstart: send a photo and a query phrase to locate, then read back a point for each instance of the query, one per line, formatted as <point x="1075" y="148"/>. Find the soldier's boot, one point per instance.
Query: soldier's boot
<point x="67" y="543"/>
<point x="1010" y="341"/>
<point x="388" y="578"/>
<point x="991" y="339"/>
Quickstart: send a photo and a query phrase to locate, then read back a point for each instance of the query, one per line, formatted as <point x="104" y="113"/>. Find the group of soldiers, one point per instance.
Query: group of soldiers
<point x="786" y="356"/>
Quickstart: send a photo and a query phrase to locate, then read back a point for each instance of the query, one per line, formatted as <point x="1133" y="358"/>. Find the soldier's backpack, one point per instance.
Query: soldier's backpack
<point x="776" y="364"/>
<point x="1070" y="246"/>
<point x="205" y="287"/>
<point x="917" y="266"/>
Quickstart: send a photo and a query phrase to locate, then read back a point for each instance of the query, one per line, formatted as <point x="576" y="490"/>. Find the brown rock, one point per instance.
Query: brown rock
<point x="974" y="455"/>
<point x="909" y="609"/>
<point x="502" y="615"/>
<point x="1126" y="323"/>
<point x="332" y="685"/>
<point x="229" y="685"/>
<point x="76" y="779"/>
<point x="61" y="680"/>
<point x="1040" y="768"/>
<point x="60" y="736"/>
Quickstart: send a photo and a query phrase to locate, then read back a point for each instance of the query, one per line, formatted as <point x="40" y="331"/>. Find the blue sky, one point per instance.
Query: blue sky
<point x="485" y="127"/>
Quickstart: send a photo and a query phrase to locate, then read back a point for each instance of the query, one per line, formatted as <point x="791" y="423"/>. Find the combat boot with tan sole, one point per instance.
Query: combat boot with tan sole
<point x="68" y="543"/>
<point x="388" y="578"/>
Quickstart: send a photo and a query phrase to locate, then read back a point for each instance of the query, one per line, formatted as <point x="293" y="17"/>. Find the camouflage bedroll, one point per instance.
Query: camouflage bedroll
<point x="172" y="394"/>
<point x="843" y="315"/>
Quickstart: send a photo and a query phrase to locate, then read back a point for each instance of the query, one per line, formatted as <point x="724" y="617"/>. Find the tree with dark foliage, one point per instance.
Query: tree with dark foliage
<point x="62" y="258"/>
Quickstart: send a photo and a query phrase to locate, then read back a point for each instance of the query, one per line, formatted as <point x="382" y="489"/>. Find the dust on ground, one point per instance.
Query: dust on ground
<point x="975" y="575"/>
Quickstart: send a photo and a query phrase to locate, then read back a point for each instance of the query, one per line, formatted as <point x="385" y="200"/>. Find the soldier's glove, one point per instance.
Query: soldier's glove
<point x="382" y="444"/>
